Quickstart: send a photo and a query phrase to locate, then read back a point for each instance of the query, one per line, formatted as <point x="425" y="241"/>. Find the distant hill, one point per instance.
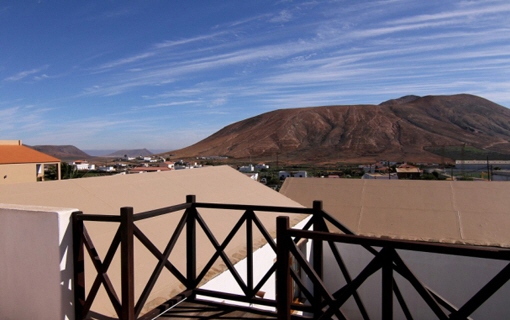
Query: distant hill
<point x="99" y="152"/>
<point x="130" y="153"/>
<point x="410" y="128"/>
<point x="65" y="152"/>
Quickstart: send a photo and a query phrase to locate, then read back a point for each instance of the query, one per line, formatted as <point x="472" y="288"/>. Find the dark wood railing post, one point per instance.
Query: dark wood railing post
<point x="127" y="264"/>
<point x="387" y="284"/>
<point x="283" y="279"/>
<point x="249" y="253"/>
<point x="78" y="265"/>
<point x="317" y="258"/>
<point x="191" y="244"/>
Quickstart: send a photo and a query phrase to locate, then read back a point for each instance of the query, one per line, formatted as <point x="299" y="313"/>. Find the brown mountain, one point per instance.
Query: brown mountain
<point x="64" y="152"/>
<point x="399" y="129"/>
<point x="130" y="153"/>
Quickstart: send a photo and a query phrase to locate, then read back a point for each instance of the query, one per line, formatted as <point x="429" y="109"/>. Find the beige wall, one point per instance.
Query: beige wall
<point x="36" y="263"/>
<point x="16" y="173"/>
<point x="11" y="142"/>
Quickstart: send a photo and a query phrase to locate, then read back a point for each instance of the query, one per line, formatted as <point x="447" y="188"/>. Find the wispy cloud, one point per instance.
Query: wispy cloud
<point x="293" y="54"/>
<point x="23" y="74"/>
<point x="112" y="14"/>
<point x="174" y="43"/>
<point x="125" y="61"/>
<point x="166" y="104"/>
<point x="283" y="16"/>
<point x="485" y="8"/>
<point x="247" y="20"/>
<point x="41" y="77"/>
<point x="23" y="119"/>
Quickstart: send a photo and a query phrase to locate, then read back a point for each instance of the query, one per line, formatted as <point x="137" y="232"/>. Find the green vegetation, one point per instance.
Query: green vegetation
<point x="68" y="171"/>
<point x="341" y="170"/>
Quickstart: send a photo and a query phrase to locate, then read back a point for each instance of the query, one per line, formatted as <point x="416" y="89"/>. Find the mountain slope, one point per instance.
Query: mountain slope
<point x="397" y="129"/>
<point x="63" y="152"/>
<point x="130" y="153"/>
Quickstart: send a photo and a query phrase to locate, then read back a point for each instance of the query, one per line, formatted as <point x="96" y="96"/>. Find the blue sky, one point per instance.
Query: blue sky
<point x="166" y="74"/>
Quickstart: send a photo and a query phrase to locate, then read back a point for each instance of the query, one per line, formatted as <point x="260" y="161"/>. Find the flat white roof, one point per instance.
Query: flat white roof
<point x="439" y="211"/>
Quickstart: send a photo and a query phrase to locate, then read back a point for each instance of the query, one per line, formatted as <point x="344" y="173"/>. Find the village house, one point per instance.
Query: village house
<point x="300" y="174"/>
<point x="407" y="171"/>
<point x="168" y="164"/>
<point x="282" y="175"/>
<point x="19" y="163"/>
<point x="107" y="168"/>
<point x="261" y="166"/>
<point x="248" y="168"/>
<point x="83" y="165"/>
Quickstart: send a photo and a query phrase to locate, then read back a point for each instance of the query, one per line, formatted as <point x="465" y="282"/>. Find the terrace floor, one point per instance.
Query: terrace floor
<point x="199" y="310"/>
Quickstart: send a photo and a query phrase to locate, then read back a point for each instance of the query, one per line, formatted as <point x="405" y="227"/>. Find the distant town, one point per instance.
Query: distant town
<point x="274" y="174"/>
<point x="271" y="174"/>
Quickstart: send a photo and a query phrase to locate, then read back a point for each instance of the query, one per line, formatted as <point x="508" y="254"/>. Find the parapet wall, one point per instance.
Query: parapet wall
<point x="36" y="263"/>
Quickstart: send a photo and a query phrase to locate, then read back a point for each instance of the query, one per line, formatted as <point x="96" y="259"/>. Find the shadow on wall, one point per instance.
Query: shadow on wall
<point x="66" y="269"/>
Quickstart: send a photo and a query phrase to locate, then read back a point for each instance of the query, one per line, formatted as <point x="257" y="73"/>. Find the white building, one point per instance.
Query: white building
<point x="248" y="168"/>
<point x="261" y="166"/>
<point x="82" y="165"/>
<point x="300" y="174"/>
<point x="282" y="175"/>
<point x="368" y="168"/>
<point x="106" y="168"/>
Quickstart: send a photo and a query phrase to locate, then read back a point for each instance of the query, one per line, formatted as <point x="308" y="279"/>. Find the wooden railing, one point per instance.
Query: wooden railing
<point x="326" y="304"/>
<point x="125" y="305"/>
<point x="320" y="302"/>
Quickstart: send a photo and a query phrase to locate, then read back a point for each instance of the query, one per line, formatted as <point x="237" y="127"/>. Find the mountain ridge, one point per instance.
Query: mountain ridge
<point x="63" y="152"/>
<point x="398" y="129"/>
<point x="130" y="153"/>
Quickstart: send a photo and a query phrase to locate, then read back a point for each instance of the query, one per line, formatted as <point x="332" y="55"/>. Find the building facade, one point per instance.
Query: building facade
<point x="19" y="163"/>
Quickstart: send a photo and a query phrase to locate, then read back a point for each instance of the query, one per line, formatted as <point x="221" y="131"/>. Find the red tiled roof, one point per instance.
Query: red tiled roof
<point x="12" y="154"/>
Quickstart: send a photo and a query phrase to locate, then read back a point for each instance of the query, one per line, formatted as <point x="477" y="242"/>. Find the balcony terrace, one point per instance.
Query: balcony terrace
<point x="304" y="290"/>
<point x="392" y="249"/>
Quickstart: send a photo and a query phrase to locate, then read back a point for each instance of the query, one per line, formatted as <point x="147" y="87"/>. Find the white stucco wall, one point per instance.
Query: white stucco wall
<point x="35" y="263"/>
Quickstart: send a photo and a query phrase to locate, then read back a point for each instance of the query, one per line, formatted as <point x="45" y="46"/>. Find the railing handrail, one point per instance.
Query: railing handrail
<point x="386" y="258"/>
<point x="496" y="253"/>
<point x="210" y="205"/>
<point x="261" y="208"/>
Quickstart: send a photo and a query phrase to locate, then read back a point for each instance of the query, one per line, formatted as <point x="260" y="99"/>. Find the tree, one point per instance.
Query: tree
<point x="67" y="171"/>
